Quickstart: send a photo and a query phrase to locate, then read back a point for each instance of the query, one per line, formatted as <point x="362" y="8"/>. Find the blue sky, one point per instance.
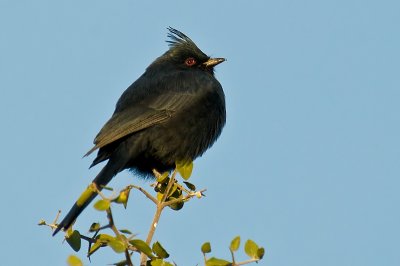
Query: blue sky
<point x="307" y="166"/>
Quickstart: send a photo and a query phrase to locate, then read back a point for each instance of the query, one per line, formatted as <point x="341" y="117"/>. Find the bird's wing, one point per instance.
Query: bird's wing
<point x="139" y="117"/>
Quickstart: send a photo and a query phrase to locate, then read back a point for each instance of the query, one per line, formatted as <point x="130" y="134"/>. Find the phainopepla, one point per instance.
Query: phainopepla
<point x="173" y="112"/>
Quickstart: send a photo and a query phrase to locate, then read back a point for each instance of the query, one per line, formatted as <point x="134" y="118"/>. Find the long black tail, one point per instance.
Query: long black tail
<point x="102" y="179"/>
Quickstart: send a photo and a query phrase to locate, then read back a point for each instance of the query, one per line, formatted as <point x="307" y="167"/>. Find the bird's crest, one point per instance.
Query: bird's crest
<point x="178" y="38"/>
<point x="180" y="42"/>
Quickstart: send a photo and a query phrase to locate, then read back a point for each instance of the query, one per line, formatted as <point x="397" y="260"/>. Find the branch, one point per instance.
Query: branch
<point x="246" y="262"/>
<point x="185" y="198"/>
<point x="147" y="194"/>
<point x="157" y="215"/>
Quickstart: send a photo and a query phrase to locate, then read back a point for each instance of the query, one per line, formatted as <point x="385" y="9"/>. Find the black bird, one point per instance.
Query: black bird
<point x="174" y="112"/>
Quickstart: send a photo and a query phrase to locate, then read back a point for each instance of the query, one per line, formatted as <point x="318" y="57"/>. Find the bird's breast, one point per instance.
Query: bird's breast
<point x="190" y="131"/>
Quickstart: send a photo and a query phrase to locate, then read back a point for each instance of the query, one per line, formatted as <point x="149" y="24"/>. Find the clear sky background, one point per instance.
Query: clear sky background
<point x="308" y="164"/>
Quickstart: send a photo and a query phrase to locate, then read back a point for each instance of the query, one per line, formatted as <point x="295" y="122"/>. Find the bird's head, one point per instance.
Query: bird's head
<point x="184" y="53"/>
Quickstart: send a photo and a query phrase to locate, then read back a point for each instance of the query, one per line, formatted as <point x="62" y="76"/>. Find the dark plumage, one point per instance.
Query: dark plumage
<point x="174" y="112"/>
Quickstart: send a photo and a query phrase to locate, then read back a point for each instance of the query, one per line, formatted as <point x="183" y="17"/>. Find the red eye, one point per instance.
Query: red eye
<point x="190" y="61"/>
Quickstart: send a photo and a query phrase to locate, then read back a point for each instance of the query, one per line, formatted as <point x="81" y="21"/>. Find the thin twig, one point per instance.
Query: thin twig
<point x="183" y="188"/>
<point x="184" y="199"/>
<point x="118" y="235"/>
<point x="233" y="257"/>
<point x="111" y="222"/>
<point x="57" y="216"/>
<point x="246" y="262"/>
<point x="147" y="194"/>
<point x="128" y="258"/>
<point x="98" y="191"/>
<point x="88" y="239"/>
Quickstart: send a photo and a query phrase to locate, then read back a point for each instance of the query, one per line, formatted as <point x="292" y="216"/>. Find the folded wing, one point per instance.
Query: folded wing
<point x="141" y="116"/>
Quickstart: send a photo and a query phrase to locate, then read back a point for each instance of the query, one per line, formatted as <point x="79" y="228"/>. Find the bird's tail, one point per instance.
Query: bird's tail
<point x="102" y="179"/>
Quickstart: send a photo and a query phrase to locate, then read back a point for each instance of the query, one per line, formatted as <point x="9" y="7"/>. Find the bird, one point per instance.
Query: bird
<point x="173" y="112"/>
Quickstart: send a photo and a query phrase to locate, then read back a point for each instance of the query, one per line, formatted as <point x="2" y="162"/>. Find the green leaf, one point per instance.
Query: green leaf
<point x="162" y="178"/>
<point x="206" y="248"/>
<point x="98" y="244"/>
<point x="174" y="191"/>
<point x="185" y="169"/>
<point x="177" y="194"/>
<point x="260" y="253"/>
<point x="176" y="206"/>
<point x="74" y="240"/>
<point x="117" y="245"/>
<point x="102" y="205"/>
<point x="73" y="260"/>
<point x="160" y="196"/>
<point x="123" y="197"/>
<point x="160" y="262"/>
<point x="159" y="250"/>
<point x="125" y="231"/>
<point x="108" y="240"/>
<point x="217" y="262"/>
<point x="235" y="243"/>
<point x="190" y="186"/>
<point x="94" y="227"/>
<point x="251" y="248"/>
<point x="105" y="237"/>
<point x="142" y="247"/>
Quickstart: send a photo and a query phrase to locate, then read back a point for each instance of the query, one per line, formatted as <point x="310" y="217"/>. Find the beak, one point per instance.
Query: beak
<point x="212" y="62"/>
